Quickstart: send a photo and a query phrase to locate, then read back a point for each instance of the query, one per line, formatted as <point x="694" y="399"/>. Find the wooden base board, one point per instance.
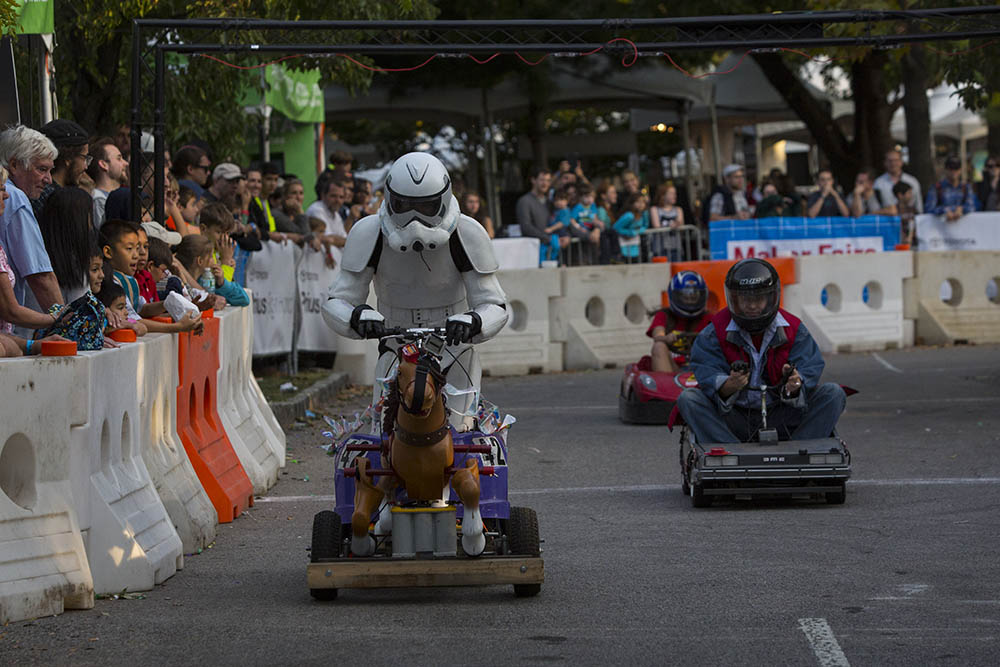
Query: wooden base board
<point x="402" y="573"/>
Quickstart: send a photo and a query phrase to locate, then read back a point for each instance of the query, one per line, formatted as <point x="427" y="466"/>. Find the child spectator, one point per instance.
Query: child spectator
<point x="85" y="320"/>
<point x="558" y="227"/>
<point x="113" y="298"/>
<point x="686" y="314"/>
<point x="176" y="222"/>
<point x="631" y="223"/>
<point x="161" y="260"/>
<point x="66" y="226"/>
<point x="188" y="207"/>
<point x="217" y="223"/>
<point x="195" y="254"/>
<point x="120" y="244"/>
<point x="906" y="208"/>
<point x="147" y="286"/>
<point x="586" y="215"/>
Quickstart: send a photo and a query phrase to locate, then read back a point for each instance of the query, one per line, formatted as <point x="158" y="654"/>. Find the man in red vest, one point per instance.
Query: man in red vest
<point x="773" y="344"/>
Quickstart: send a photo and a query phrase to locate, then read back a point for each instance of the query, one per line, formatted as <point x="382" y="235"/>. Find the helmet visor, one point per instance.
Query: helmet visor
<point x="691" y="298"/>
<point x="753" y="304"/>
<point x="428" y="206"/>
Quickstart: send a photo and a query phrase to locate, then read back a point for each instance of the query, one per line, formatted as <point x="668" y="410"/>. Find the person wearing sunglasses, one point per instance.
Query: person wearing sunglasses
<point x="431" y="266"/>
<point x="988" y="189"/>
<point x="191" y="167"/>
<point x="894" y="174"/>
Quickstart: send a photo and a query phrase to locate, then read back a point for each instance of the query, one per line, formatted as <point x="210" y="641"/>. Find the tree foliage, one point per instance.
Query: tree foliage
<point x="203" y="96"/>
<point x="9" y="13"/>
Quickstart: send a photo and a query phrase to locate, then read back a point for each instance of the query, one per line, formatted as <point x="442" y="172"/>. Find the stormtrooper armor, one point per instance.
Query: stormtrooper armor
<point x="431" y="267"/>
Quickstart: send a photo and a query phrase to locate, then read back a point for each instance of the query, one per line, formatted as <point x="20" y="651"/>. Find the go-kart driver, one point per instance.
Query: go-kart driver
<point x="772" y="343"/>
<point x="431" y="266"/>
<point x="686" y="314"/>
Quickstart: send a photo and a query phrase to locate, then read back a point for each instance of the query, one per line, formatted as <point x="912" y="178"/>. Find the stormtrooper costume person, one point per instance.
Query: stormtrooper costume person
<point x="431" y="267"/>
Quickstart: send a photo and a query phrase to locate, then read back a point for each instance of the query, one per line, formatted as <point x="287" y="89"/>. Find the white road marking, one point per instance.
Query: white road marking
<point x="640" y="488"/>
<point x="823" y="643"/>
<point x="878" y="358"/>
<point x="910" y="590"/>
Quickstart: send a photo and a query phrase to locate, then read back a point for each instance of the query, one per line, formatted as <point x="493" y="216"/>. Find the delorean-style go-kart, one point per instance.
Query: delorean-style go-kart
<point x="766" y="466"/>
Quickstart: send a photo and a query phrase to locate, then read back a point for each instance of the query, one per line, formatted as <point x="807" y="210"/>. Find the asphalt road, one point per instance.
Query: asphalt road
<point x="906" y="572"/>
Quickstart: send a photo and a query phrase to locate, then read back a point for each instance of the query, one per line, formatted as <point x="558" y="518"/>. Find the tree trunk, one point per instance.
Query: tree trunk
<point x="918" y="116"/>
<point x="872" y="113"/>
<point x="814" y="113"/>
<point x="536" y="133"/>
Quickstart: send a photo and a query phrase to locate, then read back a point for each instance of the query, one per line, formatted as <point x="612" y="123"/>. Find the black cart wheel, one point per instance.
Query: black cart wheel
<point x="326" y="544"/>
<point x="522" y="540"/>
<point x="698" y="497"/>
<point x="837" y="497"/>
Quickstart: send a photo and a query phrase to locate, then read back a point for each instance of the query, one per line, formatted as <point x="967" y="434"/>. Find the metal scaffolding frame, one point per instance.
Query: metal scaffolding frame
<point x="626" y="38"/>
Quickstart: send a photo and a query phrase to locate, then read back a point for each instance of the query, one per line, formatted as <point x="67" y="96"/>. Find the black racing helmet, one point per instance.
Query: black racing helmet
<point x="753" y="292"/>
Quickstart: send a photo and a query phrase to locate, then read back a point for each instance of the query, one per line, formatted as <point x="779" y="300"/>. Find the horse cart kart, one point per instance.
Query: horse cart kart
<point x="454" y="527"/>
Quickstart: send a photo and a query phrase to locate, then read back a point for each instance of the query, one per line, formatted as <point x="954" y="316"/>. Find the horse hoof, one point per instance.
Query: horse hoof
<point x="384" y="524"/>
<point x="362" y="546"/>
<point x="474" y="545"/>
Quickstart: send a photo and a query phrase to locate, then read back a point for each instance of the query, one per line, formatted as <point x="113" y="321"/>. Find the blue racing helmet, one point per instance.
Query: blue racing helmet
<point x="688" y="294"/>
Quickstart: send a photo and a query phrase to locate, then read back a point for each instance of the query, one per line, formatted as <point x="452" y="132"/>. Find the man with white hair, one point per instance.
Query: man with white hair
<point x="29" y="156"/>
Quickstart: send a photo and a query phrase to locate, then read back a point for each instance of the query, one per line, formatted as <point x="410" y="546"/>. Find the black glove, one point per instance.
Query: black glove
<point x="457" y="331"/>
<point x="366" y="328"/>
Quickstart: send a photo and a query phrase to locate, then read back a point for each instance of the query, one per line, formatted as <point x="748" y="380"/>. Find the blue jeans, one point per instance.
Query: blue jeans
<point x="817" y="420"/>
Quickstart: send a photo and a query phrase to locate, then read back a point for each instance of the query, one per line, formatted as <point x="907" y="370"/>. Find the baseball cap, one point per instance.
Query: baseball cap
<point x="227" y="171"/>
<point x="952" y="162"/>
<point x="157" y="231"/>
<point x="731" y="169"/>
<point x="63" y="132"/>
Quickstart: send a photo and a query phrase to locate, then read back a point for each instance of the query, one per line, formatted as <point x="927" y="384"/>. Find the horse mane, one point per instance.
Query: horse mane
<point x="390" y="408"/>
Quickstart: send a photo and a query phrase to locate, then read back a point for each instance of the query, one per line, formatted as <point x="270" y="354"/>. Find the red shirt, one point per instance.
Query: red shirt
<point x="147" y="286"/>
<point x="670" y="321"/>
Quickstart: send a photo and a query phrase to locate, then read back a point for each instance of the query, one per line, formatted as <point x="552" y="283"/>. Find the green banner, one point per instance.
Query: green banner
<point x="295" y="94"/>
<point x="36" y="17"/>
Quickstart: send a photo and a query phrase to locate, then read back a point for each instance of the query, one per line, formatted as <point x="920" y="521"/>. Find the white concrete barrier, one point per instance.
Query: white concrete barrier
<point x="175" y="480"/>
<point x="253" y="396"/>
<point x="131" y="542"/>
<point x="43" y="562"/>
<point x="601" y="317"/>
<point x="248" y="433"/>
<point x="951" y="299"/>
<point x="852" y="302"/>
<point x="525" y="345"/>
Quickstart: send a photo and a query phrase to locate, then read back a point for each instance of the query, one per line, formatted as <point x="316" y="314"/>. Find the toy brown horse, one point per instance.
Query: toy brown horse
<point x="420" y="453"/>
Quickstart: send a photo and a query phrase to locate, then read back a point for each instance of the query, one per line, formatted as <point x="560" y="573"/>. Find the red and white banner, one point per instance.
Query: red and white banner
<point x="840" y="245"/>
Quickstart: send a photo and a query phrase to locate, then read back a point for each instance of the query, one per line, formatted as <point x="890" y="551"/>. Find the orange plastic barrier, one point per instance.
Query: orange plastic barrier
<point x="714" y="272"/>
<point x="200" y="429"/>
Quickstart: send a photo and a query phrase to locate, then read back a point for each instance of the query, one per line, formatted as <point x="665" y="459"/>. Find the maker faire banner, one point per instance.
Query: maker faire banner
<point x="975" y="231"/>
<point x="783" y="237"/>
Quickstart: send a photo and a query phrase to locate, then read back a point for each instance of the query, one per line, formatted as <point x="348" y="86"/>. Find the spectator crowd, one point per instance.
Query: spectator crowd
<point x="78" y="263"/>
<point x="564" y="210"/>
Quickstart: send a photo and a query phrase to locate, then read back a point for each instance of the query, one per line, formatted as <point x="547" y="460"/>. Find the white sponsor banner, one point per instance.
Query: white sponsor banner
<point x="271" y="276"/>
<point x="841" y="245"/>
<point x="315" y="279"/>
<point x="519" y="253"/>
<point x="975" y="231"/>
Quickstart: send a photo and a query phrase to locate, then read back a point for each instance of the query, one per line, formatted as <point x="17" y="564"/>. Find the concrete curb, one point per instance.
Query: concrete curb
<point x="286" y="412"/>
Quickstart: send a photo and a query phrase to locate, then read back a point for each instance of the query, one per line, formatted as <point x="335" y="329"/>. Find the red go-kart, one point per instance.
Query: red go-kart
<point x="648" y="396"/>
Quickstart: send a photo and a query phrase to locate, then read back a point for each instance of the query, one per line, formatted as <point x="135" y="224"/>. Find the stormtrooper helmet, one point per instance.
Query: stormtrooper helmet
<point x="419" y="212"/>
